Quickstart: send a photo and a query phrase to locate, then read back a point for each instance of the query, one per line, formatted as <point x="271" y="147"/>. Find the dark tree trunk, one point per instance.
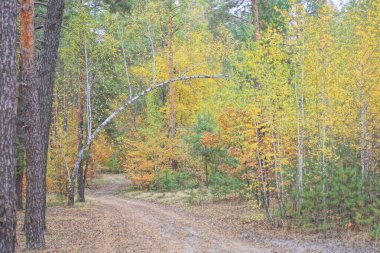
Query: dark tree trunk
<point x="80" y="177"/>
<point x="46" y="76"/>
<point x="171" y="70"/>
<point x="70" y="195"/>
<point x="20" y="153"/>
<point x="8" y="21"/>
<point x="34" y="221"/>
<point x="80" y="181"/>
<point x="19" y="179"/>
<point x="19" y="171"/>
<point x="206" y="171"/>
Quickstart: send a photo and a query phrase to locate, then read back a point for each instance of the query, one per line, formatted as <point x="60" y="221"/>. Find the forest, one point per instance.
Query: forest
<point x="272" y="104"/>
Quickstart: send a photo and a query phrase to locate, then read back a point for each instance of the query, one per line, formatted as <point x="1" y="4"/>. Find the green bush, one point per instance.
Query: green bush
<point x="169" y="180"/>
<point x="222" y="185"/>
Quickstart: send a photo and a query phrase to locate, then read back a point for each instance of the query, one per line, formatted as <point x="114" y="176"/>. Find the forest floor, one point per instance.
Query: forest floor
<point x="112" y="221"/>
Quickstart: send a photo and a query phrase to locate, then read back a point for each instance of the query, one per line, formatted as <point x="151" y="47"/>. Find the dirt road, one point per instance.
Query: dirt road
<point x="111" y="223"/>
<point x="138" y="226"/>
<point x="151" y="228"/>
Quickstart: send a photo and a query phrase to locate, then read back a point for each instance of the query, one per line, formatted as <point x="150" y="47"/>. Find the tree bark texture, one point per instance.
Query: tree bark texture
<point x="20" y="153"/>
<point x="46" y="76"/>
<point x="8" y="22"/>
<point x="34" y="221"/>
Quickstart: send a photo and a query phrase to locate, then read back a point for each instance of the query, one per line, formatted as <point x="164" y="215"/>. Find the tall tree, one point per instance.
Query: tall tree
<point x="171" y="69"/>
<point x="46" y="76"/>
<point x="80" y="178"/>
<point x="34" y="220"/>
<point x="255" y="19"/>
<point x="171" y="76"/>
<point x="80" y="109"/>
<point x="8" y="21"/>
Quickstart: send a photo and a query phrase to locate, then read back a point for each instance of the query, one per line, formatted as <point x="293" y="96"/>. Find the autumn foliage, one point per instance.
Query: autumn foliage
<point x="294" y="127"/>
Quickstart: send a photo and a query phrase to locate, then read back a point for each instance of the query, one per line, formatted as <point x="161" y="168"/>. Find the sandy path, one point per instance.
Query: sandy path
<point x="151" y="228"/>
<point x="111" y="223"/>
<point x="138" y="226"/>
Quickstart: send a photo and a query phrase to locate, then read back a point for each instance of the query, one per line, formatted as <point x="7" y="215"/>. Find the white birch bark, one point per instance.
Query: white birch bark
<point x="117" y="111"/>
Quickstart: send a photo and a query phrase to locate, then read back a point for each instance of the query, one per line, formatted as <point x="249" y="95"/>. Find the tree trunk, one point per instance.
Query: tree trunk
<point x="20" y="153"/>
<point x="70" y="195"/>
<point x="8" y="21"/>
<point x="19" y="178"/>
<point x="87" y="165"/>
<point x="89" y="124"/>
<point x="34" y="221"/>
<point x="46" y="76"/>
<point x="263" y="174"/>
<point x="130" y="94"/>
<point x="300" y="113"/>
<point x="171" y="70"/>
<point x="19" y="169"/>
<point x="206" y="171"/>
<point x="80" y="178"/>
<point x="255" y="20"/>
<point x="171" y="77"/>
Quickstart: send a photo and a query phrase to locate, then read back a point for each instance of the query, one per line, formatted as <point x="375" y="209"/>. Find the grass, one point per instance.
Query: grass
<point x="188" y="196"/>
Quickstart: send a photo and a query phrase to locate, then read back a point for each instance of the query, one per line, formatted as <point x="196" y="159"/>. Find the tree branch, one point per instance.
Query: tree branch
<point x="128" y="103"/>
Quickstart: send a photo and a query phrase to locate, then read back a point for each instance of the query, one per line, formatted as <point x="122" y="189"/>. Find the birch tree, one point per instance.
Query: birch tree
<point x="96" y="132"/>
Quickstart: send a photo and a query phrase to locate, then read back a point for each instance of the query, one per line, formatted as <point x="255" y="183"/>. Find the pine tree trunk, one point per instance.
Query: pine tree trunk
<point x="255" y="20"/>
<point x="20" y="150"/>
<point x="46" y="77"/>
<point x="8" y="21"/>
<point x="19" y="171"/>
<point x="19" y="179"/>
<point x="34" y="220"/>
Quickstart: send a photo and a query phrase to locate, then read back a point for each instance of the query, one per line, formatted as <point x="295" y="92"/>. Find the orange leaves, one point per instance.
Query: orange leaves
<point x="102" y="149"/>
<point x="146" y="154"/>
<point x="210" y="140"/>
